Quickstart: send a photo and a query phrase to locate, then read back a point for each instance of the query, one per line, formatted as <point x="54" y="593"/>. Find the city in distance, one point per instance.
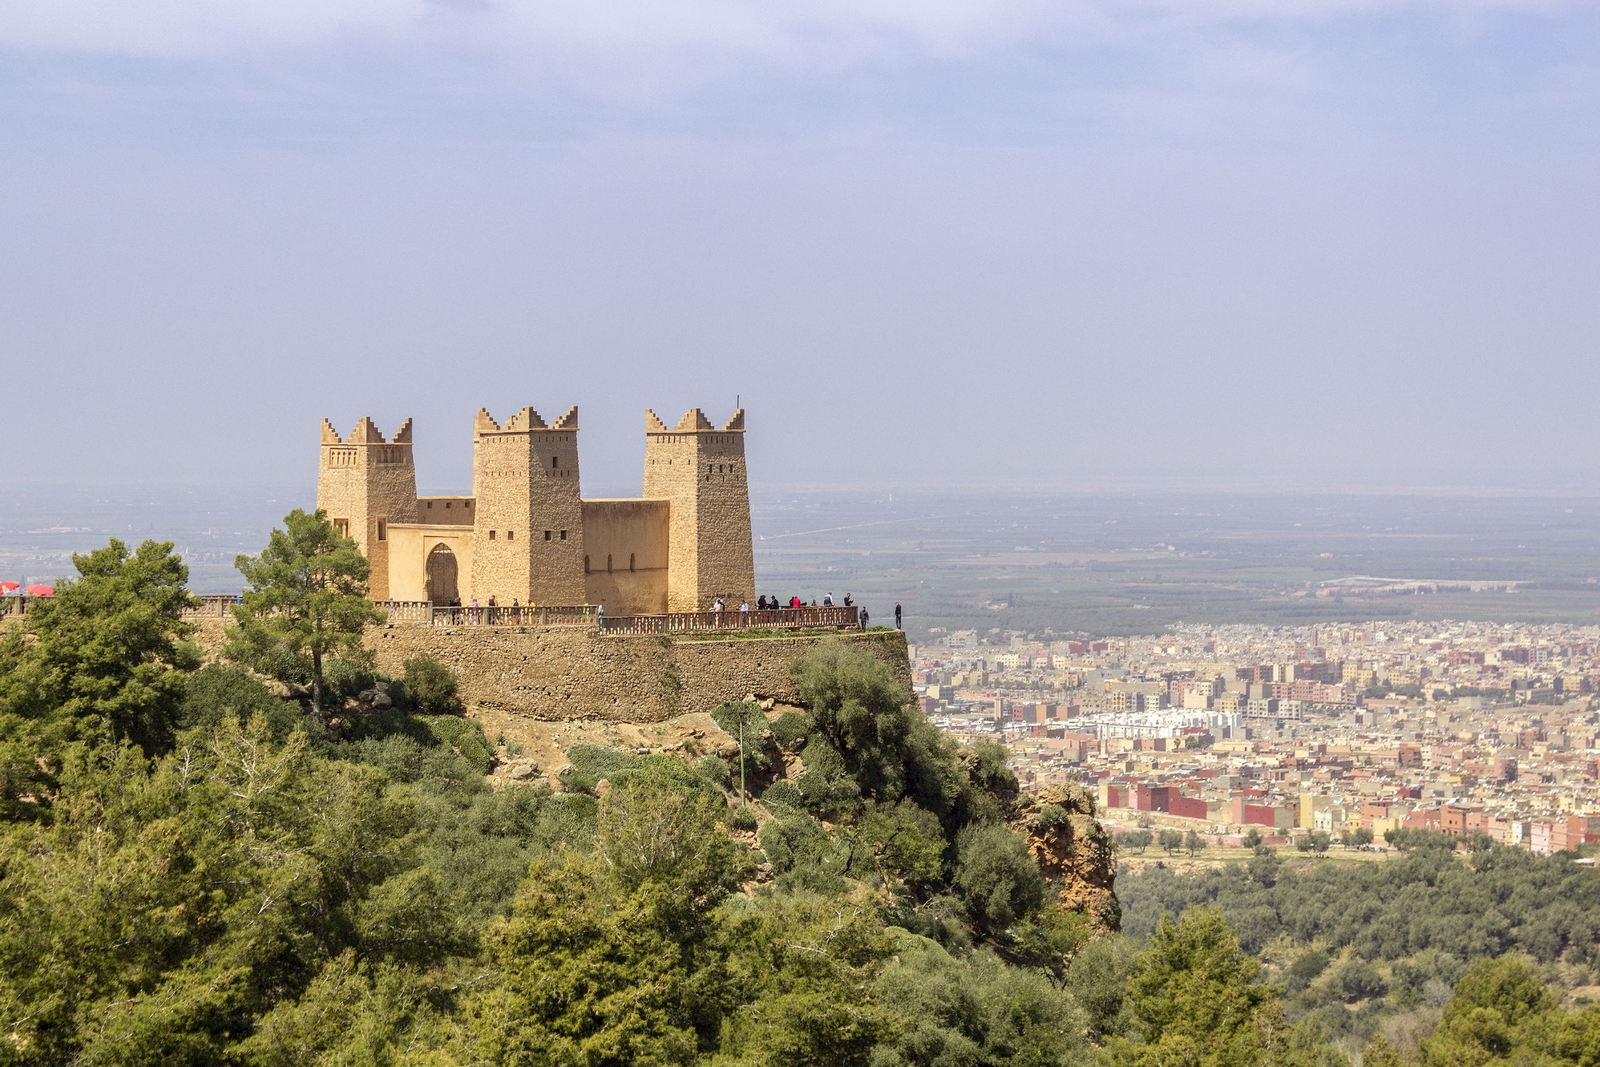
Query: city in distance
<point x="1099" y="563"/>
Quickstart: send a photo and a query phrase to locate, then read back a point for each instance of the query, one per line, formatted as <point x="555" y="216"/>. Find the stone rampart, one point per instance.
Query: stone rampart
<point x="576" y="673"/>
<point x="567" y="674"/>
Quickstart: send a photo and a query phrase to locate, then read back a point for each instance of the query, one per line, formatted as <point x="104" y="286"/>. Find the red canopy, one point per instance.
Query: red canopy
<point x="40" y="590"/>
<point x="9" y="587"/>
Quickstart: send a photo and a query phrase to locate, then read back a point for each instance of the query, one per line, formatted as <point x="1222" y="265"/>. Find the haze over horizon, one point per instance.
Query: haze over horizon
<point x="1327" y="242"/>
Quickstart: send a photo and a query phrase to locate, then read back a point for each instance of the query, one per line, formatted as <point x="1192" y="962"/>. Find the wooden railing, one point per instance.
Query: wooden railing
<point x="723" y="621"/>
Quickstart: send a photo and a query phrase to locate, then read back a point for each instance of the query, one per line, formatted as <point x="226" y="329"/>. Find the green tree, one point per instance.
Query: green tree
<point x="609" y="957"/>
<point x="1380" y="1053"/>
<point x="307" y="601"/>
<point x="996" y="877"/>
<point x="1360" y="837"/>
<point x="1171" y="841"/>
<point x="1317" y="841"/>
<point x="1497" y="1008"/>
<point x="1252" y="838"/>
<point x="802" y="967"/>
<point x="1193" y="842"/>
<point x="1195" y="997"/>
<point x="106" y="659"/>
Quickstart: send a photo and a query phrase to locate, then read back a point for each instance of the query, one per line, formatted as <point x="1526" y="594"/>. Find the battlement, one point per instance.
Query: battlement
<point x="694" y="421"/>
<point x="366" y="432"/>
<point x="526" y="534"/>
<point x="524" y="421"/>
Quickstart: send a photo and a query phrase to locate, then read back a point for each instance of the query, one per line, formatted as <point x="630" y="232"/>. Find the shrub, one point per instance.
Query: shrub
<point x="998" y="880"/>
<point x="757" y="736"/>
<point x="782" y="794"/>
<point x="743" y="819"/>
<point x="597" y="761"/>
<point x="802" y="854"/>
<point x="432" y="687"/>
<point x="465" y="737"/>
<point x="1049" y="818"/>
<point x="790" y="730"/>
<point x="217" y="689"/>
<point x="344" y="679"/>
<point x="713" y="770"/>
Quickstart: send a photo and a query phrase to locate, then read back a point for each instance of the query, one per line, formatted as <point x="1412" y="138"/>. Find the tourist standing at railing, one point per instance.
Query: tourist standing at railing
<point x="897" y="617"/>
<point x="744" y="613"/>
<point x="827" y="600"/>
<point x="600" y="616"/>
<point x="847" y="600"/>
<point x="516" y="612"/>
<point x="864" y="618"/>
<point x="472" y="616"/>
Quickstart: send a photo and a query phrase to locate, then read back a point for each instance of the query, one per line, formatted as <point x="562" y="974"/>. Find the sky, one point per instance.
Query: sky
<point x="1278" y="243"/>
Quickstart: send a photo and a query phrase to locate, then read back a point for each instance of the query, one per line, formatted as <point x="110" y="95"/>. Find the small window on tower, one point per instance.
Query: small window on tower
<point x="563" y="535"/>
<point x="341" y="527"/>
<point x="547" y="535"/>
<point x="383" y="530"/>
<point x="553" y="463"/>
<point x="491" y="535"/>
<point x="511" y="535"/>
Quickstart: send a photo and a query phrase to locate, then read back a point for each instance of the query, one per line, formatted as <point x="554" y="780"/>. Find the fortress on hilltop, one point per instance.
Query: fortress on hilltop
<point x="527" y="534"/>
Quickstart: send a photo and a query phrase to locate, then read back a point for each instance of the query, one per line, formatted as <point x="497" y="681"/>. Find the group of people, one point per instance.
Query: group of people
<point x="772" y="603"/>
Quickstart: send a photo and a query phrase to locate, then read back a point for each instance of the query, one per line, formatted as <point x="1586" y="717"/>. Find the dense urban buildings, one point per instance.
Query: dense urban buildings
<point x="1465" y="728"/>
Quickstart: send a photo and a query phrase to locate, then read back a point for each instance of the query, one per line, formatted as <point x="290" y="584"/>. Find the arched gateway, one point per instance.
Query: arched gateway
<point x="442" y="576"/>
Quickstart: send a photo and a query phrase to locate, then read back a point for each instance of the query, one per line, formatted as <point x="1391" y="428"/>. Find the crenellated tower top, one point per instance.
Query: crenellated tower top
<point x="524" y="421"/>
<point x="694" y="421"/>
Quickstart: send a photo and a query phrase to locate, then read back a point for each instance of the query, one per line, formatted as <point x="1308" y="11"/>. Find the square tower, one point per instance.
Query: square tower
<point x="364" y="483"/>
<point x="700" y="470"/>
<point x="527" y="537"/>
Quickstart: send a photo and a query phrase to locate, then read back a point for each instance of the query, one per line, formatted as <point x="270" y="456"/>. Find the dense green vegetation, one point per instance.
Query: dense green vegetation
<point x="1369" y="948"/>
<point x="202" y="864"/>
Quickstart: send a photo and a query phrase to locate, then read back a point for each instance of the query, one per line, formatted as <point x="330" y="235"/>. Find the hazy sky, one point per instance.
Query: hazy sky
<point x="1355" y="241"/>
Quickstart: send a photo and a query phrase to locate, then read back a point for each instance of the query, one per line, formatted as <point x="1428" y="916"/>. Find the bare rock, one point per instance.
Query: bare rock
<point x="1070" y="846"/>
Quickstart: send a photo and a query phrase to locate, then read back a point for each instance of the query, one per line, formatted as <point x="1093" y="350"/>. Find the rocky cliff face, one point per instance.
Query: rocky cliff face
<point x="1074" y="849"/>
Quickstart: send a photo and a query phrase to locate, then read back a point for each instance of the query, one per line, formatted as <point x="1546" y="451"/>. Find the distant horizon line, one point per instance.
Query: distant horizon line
<point x="768" y="489"/>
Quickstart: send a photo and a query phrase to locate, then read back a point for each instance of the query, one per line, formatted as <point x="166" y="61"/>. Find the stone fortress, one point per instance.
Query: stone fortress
<point x="526" y="533"/>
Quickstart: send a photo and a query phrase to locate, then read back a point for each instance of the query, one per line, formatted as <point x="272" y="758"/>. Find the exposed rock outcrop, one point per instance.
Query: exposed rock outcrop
<point x="1071" y="847"/>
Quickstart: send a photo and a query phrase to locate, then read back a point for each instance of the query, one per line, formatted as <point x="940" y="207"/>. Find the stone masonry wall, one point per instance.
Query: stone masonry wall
<point x="565" y="673"/>
<point x="365" y="480"/>
<point x="701" y="470"/>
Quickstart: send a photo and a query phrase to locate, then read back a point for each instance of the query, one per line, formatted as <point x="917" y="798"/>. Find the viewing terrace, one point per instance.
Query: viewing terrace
<point x="424" y="613"/>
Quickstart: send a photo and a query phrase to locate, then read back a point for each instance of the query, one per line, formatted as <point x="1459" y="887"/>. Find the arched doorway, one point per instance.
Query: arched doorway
<point x="442" y="576"/>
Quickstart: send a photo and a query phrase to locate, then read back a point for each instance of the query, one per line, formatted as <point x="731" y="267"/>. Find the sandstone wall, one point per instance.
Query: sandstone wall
<point x="364" y="483"/>
<point x="701" y="470"/>
<point x="567" y="673"/>
<point x="625" y="555"/>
